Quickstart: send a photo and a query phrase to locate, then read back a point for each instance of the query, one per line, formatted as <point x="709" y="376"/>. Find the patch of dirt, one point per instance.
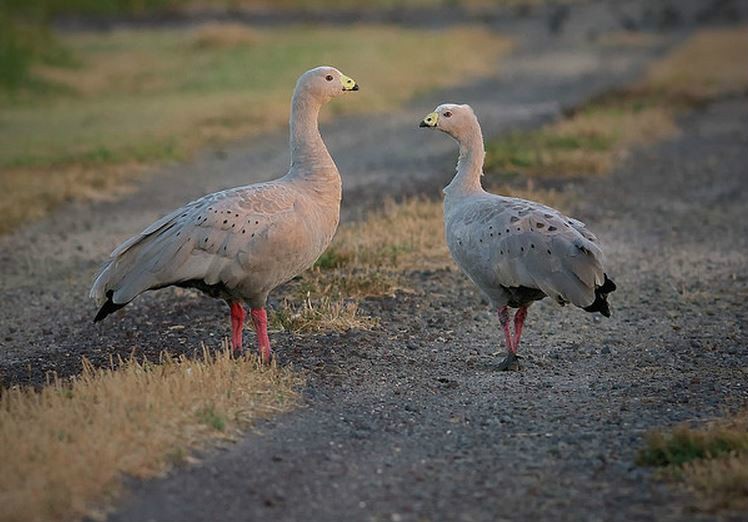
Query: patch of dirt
<point x="413" y="422"/>
<point x="48" y="266"/>
<point x="410" y="421"/>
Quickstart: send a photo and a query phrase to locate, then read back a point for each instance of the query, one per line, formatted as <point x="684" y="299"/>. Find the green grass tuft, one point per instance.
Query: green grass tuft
<point x="210" y="418"/>
<point x="538" y="151"/>
<point x="684" y="444"/>
<point x="332" y="258"/>
<point x="712" y="460"/>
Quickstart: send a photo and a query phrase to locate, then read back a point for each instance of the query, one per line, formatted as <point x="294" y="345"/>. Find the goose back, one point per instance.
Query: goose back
<point x="517" y="250"/>
<point x="241" y="242"/>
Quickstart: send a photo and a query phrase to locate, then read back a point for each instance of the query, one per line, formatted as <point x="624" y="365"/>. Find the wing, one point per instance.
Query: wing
<point x="208" y="239"/>
<point x="511" y="242"/>
<point x="547" y="250"/>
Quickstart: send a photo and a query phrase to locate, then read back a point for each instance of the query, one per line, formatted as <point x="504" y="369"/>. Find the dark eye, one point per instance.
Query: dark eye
<point x="447" y="114"/>
<point x="328" y="77"/>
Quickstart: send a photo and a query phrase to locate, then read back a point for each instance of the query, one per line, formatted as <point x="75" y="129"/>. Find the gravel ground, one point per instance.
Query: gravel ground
<point x="411" y="421"/>
<point x="48" y="266"/>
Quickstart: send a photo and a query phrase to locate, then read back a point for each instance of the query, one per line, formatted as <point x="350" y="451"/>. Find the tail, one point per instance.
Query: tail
<point x="129" y="270"/>
<point x="601" y="297"/>
<point x="108" y="307"/>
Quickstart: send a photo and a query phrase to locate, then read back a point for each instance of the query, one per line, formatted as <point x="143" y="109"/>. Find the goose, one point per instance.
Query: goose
<point x="514" y="250"/>
<point x="241" y="243"/>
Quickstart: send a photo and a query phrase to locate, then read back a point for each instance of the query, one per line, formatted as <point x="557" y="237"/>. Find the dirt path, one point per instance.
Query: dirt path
<point x="48" y="266"/>
<point x="411" y="421"/>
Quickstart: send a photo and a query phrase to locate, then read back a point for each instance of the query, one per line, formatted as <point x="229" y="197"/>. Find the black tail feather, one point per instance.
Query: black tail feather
<point x="108" y="307"/>
<point x="601" y="297"/>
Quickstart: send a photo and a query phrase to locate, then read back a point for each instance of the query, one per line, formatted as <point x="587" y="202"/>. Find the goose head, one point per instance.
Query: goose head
<point x="325" y="83"/>
<point x="459" y="121"/>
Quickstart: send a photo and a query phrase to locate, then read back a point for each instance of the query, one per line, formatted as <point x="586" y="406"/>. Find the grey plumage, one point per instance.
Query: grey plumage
<point x="516" y="251"/>
<point x="248" y="240"/>
<point x="503" y="243"/>
<point x="239" y="244"/>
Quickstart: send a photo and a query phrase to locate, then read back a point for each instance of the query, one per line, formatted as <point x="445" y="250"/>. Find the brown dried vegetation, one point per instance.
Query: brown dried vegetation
<point x="711" y="460"/>
<point x="592" y="139"/>
<point x="65" y="448"/>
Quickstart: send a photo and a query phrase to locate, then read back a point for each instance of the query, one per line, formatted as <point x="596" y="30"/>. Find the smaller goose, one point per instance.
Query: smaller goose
<point x="516" y="251"/>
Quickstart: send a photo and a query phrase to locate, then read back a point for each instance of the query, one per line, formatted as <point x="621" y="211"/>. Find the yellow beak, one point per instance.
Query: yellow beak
<point x="349" y="84"/>
<point x="430" y="120"/>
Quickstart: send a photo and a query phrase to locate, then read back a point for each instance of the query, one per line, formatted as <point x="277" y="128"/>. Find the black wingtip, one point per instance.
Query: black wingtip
<point x="608" y="286"/>
<point x="601" y="298"/>
<point x="108" y="307"/>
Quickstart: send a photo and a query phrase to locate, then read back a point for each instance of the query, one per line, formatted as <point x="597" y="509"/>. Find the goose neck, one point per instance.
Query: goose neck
<point x="469" y="165"/>
<point x="308" y="151"/>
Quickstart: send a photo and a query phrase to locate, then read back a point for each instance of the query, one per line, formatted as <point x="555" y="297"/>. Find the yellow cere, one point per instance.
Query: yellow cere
<point x="348" y="83"/>
<point x="431" y="119"/>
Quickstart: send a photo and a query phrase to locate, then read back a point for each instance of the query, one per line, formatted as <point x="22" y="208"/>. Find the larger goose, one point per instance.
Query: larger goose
<point x="516" y="251"/>
<point x="241" y="243"/>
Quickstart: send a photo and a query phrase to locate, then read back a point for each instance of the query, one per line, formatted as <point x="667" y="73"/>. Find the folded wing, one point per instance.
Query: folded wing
<point x="210" y="240"/>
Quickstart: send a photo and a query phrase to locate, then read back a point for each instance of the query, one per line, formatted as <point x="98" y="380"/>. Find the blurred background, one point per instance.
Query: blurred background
<point x="93" y="91"/>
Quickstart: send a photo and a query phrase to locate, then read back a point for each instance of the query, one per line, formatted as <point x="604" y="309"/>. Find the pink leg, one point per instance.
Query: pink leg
<point x="504" y="321"/>
<point x="237" y="324"/>
<point x="519" y="322"/>
<point x="260" y="320"/>
<point x="511" y="360"/>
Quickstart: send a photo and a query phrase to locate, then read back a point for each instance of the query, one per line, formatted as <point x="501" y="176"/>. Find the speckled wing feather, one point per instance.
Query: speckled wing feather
<point x="211" y="239"/>
<point x="512" y="242"/>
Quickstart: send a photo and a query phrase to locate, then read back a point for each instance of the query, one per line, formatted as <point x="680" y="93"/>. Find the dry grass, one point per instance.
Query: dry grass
<point x="366" y="259"/>
<point x="405" y="236"/>
<point x="399" y="236"/>
<point x="215" y="35"/>
<point x="138" y="97"/>
<point x="711" y="460"/>
<point x="29" y="194"/>
<point x="65" y="448"/>
<point x="589" y="142"/>
<point x="551" y="197"/>
<point x="707" y="66"/>
<point x="629" y="39"/>
<point x="586" y="144"/>
<point x="721" y="483"/>
<point x="320" y="313"/>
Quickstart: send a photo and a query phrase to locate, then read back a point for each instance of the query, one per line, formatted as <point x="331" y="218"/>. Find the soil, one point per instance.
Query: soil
<point x="47" y="266"/>
<point x="411" y="421"/>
